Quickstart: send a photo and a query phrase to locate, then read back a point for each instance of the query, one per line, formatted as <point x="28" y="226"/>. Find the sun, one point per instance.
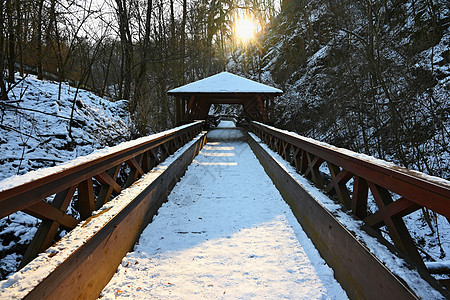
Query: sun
<point x="245" y="29"/>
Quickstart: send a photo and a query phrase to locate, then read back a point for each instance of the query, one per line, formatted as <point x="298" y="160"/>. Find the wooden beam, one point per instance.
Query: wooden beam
<point x="105" y="179"/>
<point x="86" y="198"/>
<point x="415" y="188"/>
<point x="29" y="193"/>
<point x="395" y="225"/>
<point x="313" y="171"/>
<point x="399" y="208"/>
<point x="359" y="197"/>
<point x="132" y="163"/>
<point x="48" y="228"/>
<point x="183" y="110"/>
<point x="261" y="108"/>
<point x="339" y="186"/>
<point x="108" y="180"/>
<point x="190" y="107"/>
<point x="135" y="170"/>
<point x="45" y="211"/>
<point x="272" y="109"/>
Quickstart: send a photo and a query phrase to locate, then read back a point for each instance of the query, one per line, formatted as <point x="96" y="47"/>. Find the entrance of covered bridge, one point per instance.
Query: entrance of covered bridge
<point x="193" y="101"/>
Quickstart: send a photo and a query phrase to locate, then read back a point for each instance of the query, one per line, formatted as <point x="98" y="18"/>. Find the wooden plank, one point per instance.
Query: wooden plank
<point x="397" y="228"/>
<point x="261" y="108"/>
<point x="45" y="211"/>
<point x="134" y="164"/>
<point x="177" y="109"/>
<point x="349" y="259"/>
<point x="359" y="197"/>
<point x="272" y="109"/>
<point x="84" y="274"/>
<point x="342" y="177"/>
<point x="296" y="158"/>
<point x="86" y="198"/>
<point x="339" y="186"/>
<point x="105" y="179"/>
<point x="312" y="171"/>
<point x="48" y="228"/>
<point x="285" y="152"/>
<point x="190" y="106"/>
<point x="398" y="208"/>
<point x="183" y="110"/>
<point x="107" y="188"/>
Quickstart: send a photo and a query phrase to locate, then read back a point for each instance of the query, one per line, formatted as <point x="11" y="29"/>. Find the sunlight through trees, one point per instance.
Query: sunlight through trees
<point x="245" y="29"/>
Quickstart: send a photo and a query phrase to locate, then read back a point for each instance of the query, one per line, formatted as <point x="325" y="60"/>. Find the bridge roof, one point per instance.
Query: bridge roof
<point x="225" y="83"/>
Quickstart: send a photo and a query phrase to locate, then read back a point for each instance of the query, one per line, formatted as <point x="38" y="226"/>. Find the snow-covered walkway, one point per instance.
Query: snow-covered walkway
<point x="225" y="232"/>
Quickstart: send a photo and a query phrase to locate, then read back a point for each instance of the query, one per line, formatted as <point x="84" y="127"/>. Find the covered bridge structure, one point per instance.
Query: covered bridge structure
<point x="194" y="100"/>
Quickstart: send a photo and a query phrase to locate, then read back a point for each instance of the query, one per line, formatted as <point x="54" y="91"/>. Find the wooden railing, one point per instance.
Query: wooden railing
<point x="413" y="190"/>
<point x="109" y="173"/>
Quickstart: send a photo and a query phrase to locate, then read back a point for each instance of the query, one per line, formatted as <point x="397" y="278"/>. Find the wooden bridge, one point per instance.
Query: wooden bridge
<point x="115" y="206"/>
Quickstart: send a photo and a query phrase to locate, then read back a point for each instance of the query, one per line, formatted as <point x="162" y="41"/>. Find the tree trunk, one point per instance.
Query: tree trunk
<point x="127" y="47"/>
<point x="209" y="36"/>
<point x="11" y="41"/>
<point x="142" y="70"/>
<point x="39" y="40"/>
<point x="108" y="67"/>
<point x="19" y="36"/>
<point x="183" y="40"/>
<point x="3" y="90"/>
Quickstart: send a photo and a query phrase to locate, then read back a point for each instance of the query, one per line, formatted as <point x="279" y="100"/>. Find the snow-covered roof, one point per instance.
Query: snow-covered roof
<point x="225" y="83"/>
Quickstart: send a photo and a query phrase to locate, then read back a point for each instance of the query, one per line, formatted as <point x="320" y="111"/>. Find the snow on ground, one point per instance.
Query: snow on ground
<point x="225" y="232"/>
<point x="34" y="135"/>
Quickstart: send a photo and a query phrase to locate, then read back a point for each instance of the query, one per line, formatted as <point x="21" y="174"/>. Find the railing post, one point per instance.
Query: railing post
<point x="48" y="228"/>
<point x="86" y="199"/>
<point x="397" y="228"/>
<point x="359" y="197"/>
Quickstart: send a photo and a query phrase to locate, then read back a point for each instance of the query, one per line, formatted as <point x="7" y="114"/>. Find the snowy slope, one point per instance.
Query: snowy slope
<point x="34" y="134"/>
<point x="34" y="125"/>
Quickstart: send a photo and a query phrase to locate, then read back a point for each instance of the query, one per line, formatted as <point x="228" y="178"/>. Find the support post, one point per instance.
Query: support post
<point x="178" y="109"/>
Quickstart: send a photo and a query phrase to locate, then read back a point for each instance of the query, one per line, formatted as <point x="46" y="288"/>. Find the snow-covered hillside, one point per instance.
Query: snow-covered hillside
<point x="34" y="134"/>
<point x="34" y="125"/>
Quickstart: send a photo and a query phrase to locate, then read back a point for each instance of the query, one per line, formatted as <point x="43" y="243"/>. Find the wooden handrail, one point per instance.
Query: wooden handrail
<point x="416" y="190"/>
<point x="29" y="193"/>
<point x="132" y="161"/>
<point x="81" y="268"/>
<point x="397" y="179"/>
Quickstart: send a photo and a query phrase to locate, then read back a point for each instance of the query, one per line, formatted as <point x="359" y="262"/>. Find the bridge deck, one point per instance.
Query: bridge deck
<point x="224" y="232"/>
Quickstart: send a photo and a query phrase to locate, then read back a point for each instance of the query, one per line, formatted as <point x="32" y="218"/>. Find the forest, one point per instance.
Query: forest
<point x="371" y="76"/>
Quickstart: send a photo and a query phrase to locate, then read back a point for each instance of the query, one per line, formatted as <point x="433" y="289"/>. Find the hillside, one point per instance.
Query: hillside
<point x="372" y="77"/>
<point x="34" y="133"/>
